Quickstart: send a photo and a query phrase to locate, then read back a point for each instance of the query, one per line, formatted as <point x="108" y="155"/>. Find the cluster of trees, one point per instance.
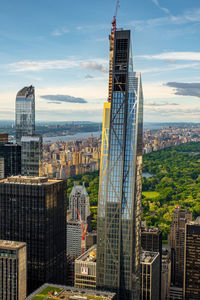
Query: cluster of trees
<point x="175" y="180"/>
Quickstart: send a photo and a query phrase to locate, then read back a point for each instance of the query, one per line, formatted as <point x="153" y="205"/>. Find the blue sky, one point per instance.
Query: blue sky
<point x="61" y="47"/>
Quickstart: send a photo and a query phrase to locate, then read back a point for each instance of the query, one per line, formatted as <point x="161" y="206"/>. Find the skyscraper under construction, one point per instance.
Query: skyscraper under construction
<point x="118" y="236"/>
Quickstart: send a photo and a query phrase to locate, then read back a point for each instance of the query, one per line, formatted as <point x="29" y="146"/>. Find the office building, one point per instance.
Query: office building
<point x="74" y="237"/>
<point x="166" y="274"/>
<point x="13" y="265"/>
<point x="11" y="154"/>
<point x="151" y="240"/>
<point x="33" y="210"/>
<point x="31" y="155"/>
<point x="176" y="240"/>
<point x="120" y="186"/>
<point x="150" y="273"/>
<point x="4" y="138"/>
<point x="90" y="239"/>
<point x="85" y="269"/>
<point x="175" y="293"/>
<point x="191" y="285"/>
<point x="2" y="171"/>
<point x="25" y="113"/>
<point x="61" y="292"/>
<point x="79" y="199"/>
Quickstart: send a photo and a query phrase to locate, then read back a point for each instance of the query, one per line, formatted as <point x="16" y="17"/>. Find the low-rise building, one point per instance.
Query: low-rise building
<point x="85" y="269"/>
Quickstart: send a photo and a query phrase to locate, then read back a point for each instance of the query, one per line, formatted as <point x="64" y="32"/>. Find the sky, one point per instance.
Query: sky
<point x="62" y="48"/>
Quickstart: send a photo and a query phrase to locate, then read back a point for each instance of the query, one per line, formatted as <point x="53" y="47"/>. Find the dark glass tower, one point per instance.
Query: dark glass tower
<point x="11" y="154"/>
<point x="119" y="210"/>
<point x="33" y="210"/>
<point x="25" y="112"/>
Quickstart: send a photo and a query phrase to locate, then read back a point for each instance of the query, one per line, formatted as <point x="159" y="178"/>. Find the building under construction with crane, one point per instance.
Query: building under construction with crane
<point x="120" y="182"/>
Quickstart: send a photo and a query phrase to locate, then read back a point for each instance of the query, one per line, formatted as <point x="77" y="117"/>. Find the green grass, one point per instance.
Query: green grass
<point x="150" y="195"/>
<point x="44" y="293"/>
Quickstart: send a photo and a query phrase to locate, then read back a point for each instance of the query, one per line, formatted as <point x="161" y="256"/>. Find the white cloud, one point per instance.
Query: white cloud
<point x="166" y="10"/>
<point x="97" y="64"/>
<point x="59" y="32"/>
<point x="187" y="56"/>
<point x="171" y="68"/>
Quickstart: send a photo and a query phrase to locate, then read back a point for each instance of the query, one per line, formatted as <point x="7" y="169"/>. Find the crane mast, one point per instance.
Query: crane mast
<point x="114" y="21"/>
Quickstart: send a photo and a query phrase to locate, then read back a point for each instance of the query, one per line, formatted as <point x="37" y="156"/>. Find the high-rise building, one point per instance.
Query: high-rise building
<point x="3" y="137"/>
<point x="2" y="172"/>
<point x="13" y="265"/>
<point x="150" y="273"/>
<point x="74" y="237"/>
<point x="151" y="240"/>
<point x="191" y="284"/>
<point x="31" y="155"/>
<point x="33" y="210"/>
<point x="25" y="112"/>
<point x="11" y="154"/>
<point x="79" y="199"/>
<point x="120" y="187"/>
<point x="85" y="269"/>
<point x="176" y="240"/>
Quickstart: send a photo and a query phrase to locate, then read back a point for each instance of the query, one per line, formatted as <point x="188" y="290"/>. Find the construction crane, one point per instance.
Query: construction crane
<point x="114" y="21"/>
<point x="84" y="231"/>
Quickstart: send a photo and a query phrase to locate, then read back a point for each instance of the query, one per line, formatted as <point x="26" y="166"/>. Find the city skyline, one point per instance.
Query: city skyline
<point x="47" y="54"/>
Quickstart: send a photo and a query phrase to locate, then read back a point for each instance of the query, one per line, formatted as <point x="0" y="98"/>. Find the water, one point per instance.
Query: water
<point x="65" y="138"/>
<point x="146" y="175"/>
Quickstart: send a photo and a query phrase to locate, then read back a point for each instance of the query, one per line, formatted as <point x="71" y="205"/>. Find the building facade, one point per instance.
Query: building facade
<point x="74" y="237"/>
<point x="2" y="171"/>
<point x="176" y="240"/>
<point x="151" y="240"/>
<point x="31" y="155"/>
<point x="150" y="273"/>
<point x="79" y="199"/>
<point x="13" y="269"/>
<point x="85" y="269"/>
<point x="33" y="210"/>
<point x="11" y="154"/>
<point x="191" y="285"/>
<point x="25" y="112"/>
<point x="119" y="205"/>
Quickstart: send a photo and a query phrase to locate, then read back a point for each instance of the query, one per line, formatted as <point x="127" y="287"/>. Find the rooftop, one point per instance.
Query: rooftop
<point x="56" y="292"/>
<point x="11" y="244"/>
<point x="148" y="257"/>
<point x="27" y="91"/>
<point x="29" y="180"/>
<point x="89" y="256"/>
<point x="150" y="230"/>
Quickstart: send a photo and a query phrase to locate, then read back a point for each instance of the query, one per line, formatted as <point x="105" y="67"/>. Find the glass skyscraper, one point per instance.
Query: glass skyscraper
<point x="120" y="187"/>
<point x="25" y="113"/>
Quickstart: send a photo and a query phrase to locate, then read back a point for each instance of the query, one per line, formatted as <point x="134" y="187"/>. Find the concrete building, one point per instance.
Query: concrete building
<point x="176" y="240"/>
<point x="31" y="155"/>
<point x="85" y="269"/>
<point x="74" y="237"/>
<point x="175" y="293"/>
<point x="61" y="292"/>
<point x="151" y="240"/>
<point x="33" y="210"/>
<point x="2" y="171"/>
<point x="79" y="199"/>
<point x="165" y="274"/>
<point x="13" y="269"/>
<point x="191" y="284"/>
<point x="150" y="273"/>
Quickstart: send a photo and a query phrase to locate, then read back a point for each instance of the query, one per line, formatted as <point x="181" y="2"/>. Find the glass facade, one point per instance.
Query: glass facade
<point x="31" y="155"/>
<point x="25" y="112"/>
<point x="118" y="238"/>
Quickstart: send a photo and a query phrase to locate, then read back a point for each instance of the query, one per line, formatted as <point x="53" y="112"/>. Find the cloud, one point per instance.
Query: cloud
<point x="64" y="98"/>
<point x="59" y="32"/>
<point x="94" y="66"/>
<point x="88" y="76"/>
<point x="188" y="17"/>
<point x="172" y="67"/>
<point x="97" y="64"/>
<point x="160" y="104"/>
<point x="187" y="56"/>
<point x="185" y="89"/>
<point x="162" y="8"/>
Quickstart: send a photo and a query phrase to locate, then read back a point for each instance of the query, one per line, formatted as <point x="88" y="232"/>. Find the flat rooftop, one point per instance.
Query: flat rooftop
<point x="11" y="245"/>
<point x="89" y="256"/>
<point x="148" y="257"/>
<point x="150" y="230"/>
<point x="58" y="292"/>
<point x="29" y="180"/>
